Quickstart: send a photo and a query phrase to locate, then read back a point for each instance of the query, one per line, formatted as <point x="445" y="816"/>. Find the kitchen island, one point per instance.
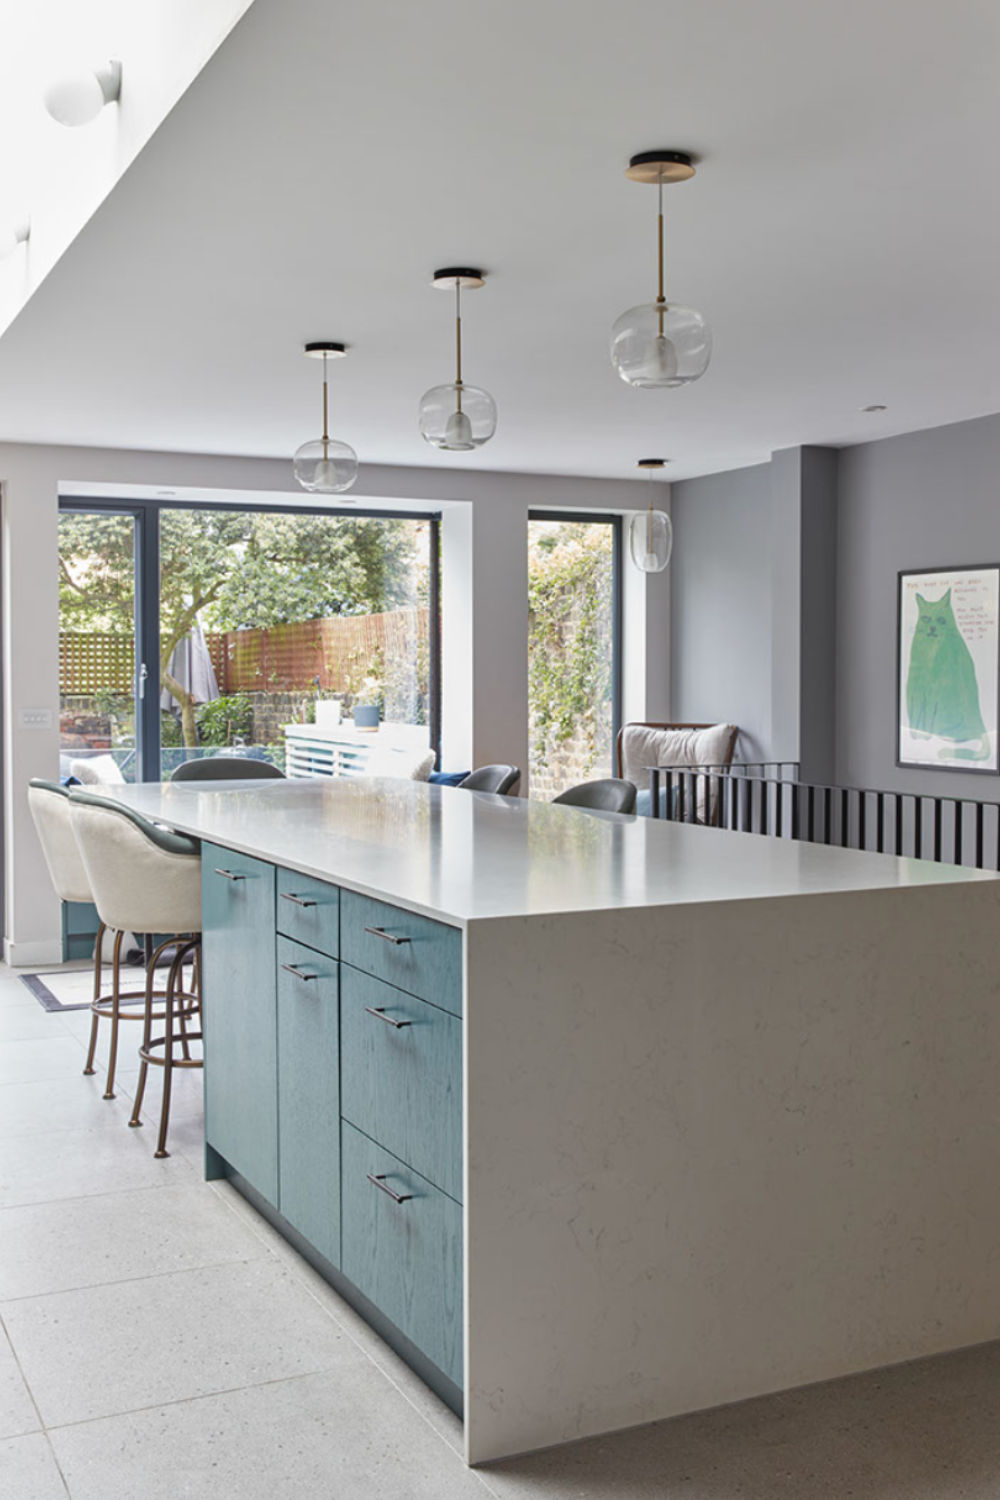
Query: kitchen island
<point x="599" y="1120"/>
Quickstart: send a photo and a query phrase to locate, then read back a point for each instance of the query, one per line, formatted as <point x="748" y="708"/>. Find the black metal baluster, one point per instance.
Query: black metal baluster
<point x="862" y="820"/>
<point x="918" y="827"/>
<point x="938" y="809"/>
<point x="898" y="809"/>
<point x="880" y="823"/>
<point x="979" y="835"/>
<point x="845" y="818"/>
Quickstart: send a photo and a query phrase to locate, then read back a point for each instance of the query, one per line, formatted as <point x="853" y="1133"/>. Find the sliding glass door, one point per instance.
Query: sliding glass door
<point x="100" y="732"/>
<point x="185" y="631"/>
<point x="574" y="646"/>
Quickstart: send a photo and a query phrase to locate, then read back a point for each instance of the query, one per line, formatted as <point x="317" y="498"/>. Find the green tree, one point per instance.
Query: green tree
<point x="233" y="570"/>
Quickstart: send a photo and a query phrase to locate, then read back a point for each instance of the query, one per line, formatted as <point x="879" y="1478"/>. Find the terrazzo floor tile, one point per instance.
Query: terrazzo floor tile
<point x="82" y="1163"/>
<point x="110" y="1349"/>
<point x="317" y="1438"/>
<point x="28" y="1470"/>
<point x="17" y="1410"/>
<point x="54" y="1247"/>
<point x="28" y="1022"/>
<point x="71" y="1103"/>
<point x="32" y="1061"/>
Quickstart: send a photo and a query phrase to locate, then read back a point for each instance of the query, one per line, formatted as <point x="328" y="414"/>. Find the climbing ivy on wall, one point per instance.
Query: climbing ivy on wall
<point x="570" y="566"/>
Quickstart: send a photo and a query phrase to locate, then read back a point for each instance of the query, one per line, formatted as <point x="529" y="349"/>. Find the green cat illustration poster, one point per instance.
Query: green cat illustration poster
<point x="949" y="669"/>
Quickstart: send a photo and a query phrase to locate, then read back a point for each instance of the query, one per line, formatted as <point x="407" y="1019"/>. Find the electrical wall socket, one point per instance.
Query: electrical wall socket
<point x="34" y="718"/>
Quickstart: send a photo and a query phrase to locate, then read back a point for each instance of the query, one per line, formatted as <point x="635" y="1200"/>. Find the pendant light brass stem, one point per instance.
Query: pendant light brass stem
<point x="660" y="300"/>
<point x="458" y="342"/>
<point x="326" y="424"/>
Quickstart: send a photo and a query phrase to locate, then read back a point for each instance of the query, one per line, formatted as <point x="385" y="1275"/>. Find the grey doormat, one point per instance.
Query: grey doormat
<point x="36" y="984"/>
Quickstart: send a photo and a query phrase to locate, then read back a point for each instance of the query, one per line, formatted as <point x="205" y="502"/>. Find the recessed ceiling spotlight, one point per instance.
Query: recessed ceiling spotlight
<point x="165" y="494"/>
<point x="12" y="234"/>
<point x="874" y="408"/>
<point x="78" y="98"/>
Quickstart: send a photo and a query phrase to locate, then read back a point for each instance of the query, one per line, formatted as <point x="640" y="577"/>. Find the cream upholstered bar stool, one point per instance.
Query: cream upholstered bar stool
<point x="145" y="878"/>
<point x="48" y="802"/>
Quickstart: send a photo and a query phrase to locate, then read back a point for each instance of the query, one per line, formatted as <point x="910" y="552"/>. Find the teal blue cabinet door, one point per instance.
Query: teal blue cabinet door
<point x="402" y="1076"/>
<point x="402" y="1247"/>
<point x="412" y="952"/>
<point x="309" y="1095"/>
<point x="240" y="1019"/>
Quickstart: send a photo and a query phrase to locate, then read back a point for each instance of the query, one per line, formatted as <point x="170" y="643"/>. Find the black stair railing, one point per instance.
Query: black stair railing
<point x="766" y="797"/>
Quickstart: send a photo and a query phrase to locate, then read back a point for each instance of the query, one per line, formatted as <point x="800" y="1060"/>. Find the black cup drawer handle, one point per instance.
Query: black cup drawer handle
<point x="379" y="1181"/>
<point x="388" y="937"/>
<point x="379" y="1011"/>
<point x="229" y="875"/>
<point x="297" y="900"/>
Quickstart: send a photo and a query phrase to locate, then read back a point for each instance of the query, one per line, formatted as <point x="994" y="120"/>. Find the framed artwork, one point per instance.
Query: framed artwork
<point x="948" y="669"/>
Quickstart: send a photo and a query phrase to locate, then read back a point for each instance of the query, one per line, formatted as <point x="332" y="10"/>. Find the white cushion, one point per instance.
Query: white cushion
<point x="643" y="747"/>
<point x="97" y="770"/>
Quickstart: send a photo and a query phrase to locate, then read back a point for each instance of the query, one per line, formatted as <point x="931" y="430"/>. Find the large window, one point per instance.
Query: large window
<point x="574" y="634"/>
<point x="188" y="630"/>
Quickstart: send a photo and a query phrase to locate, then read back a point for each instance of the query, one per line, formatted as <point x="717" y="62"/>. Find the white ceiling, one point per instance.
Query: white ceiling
<point x="842" y="234"/>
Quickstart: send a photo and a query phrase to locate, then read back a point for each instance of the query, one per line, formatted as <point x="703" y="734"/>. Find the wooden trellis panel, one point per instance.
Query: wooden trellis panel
<point x="282" y="658"/>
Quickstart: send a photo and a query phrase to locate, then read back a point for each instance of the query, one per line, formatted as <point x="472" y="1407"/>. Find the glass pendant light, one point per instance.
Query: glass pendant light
<point x="661" y="343"/>
<point x="650" y="534"/>
<point x="457" y="417"/>
<point x="325" y="466"/>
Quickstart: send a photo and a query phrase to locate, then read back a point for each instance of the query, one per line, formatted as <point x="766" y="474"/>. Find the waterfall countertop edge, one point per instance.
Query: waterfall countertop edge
<point x="462" y="857"/>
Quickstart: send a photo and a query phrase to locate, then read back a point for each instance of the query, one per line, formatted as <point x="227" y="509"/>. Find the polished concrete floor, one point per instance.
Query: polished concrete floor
<point x="159" y="1342"/>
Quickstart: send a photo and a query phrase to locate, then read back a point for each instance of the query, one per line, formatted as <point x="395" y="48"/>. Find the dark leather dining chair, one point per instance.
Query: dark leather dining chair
<point x="227" y="768"/>
<point x="610" y="795"/>
<point x="504" y="780"/>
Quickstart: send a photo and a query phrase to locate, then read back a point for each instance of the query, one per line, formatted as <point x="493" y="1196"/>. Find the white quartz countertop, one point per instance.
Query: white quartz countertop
<point x="467" y="856"/>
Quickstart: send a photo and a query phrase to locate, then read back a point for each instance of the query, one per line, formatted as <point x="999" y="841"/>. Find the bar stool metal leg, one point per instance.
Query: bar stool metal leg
<point x="147" y="1028"/>
<point x="95" y="1021"/>
<point x="176" y="975"/>
<point x="109" y="1092"/>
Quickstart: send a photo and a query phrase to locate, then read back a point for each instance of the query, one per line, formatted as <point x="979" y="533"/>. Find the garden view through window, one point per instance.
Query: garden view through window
<point x="269" y="622"/>
<point x="573" y="635"/>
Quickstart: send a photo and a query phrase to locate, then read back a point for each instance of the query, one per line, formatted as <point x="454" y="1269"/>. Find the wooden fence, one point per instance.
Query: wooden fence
<point x="338" y="651"/>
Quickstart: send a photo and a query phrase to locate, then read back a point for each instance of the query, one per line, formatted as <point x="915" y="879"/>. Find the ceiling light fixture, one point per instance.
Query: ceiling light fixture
<point x="874" y="408"/>
<point x="457" y="417"/>
<point x="325" y="466"/>
<point x="661" y="343"/>
<point x="78" y="98"/>
<point x="651" y="534"/>
<point x="12" y="235"/>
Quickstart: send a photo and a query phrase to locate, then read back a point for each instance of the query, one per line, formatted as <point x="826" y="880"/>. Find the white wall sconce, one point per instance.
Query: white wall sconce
<point x="78" y="98"/>
<point x="15" y="232"/>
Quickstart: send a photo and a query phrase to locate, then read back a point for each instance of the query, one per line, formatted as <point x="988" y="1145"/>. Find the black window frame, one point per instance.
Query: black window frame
<point x="146" y="515"/>
<point x="617" y="524"/>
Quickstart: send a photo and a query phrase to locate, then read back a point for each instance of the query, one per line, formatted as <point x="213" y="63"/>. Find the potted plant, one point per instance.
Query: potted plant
<point x="366" y="710"/>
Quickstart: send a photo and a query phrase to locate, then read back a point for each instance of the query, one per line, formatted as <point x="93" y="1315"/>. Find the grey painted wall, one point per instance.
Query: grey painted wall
<point x="926" y="499"/>
<point x="721" y="604"/>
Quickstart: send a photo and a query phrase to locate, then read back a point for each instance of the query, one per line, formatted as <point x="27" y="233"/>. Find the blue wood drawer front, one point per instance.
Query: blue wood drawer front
<point x="309" y="1095"/>
<point x="405" y="1257"/>
<point x="240" y="1015"/>
<point x="401" y="1076"/>
<point x="411" y="952"/>
<point x="309" y="911"/>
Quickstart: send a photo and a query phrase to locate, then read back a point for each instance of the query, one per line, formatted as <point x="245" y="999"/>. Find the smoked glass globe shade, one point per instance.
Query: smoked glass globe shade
<point x="648" y="355"/>
<point x="457" y="426"/>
